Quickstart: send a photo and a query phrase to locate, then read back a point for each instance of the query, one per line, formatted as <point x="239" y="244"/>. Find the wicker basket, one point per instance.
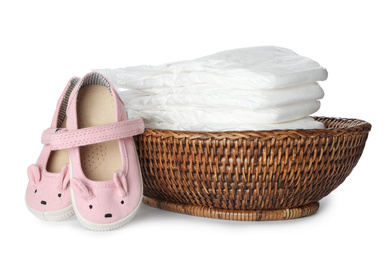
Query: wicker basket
<point x="249" y="175"/>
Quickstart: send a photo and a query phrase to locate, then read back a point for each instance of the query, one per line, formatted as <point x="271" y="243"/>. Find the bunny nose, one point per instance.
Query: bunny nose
<point x="43" y="202"/>
<point x="108" y="215"/>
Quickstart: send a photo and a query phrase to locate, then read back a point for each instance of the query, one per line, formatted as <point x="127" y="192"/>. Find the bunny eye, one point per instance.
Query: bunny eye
<point x="122" y="202"/>
<point x="90" y="206"/>
<point x="35" y="191"/>
<point x="59" y="195"/>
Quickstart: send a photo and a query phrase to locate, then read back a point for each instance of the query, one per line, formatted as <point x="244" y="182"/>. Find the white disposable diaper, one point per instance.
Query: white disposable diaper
<point x="265" y="67"/>
<point x="194" y="115"/>
<point x="258" y="88"/>
<point x="303" y="123"/>
<point x="205" y="95"/>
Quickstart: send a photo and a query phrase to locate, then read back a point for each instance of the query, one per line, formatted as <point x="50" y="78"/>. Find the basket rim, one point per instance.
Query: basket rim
<point x="352" y="126"/>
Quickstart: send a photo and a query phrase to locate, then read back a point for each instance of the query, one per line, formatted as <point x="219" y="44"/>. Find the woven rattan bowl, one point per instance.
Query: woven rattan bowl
<point x="249" y="175"/>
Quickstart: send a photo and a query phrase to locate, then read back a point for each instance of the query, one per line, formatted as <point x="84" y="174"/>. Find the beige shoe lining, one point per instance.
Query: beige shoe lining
<point x="95" y="106"/>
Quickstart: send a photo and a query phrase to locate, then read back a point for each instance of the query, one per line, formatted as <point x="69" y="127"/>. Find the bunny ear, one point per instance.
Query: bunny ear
<point x="34" y="174"/>
<point x="81" y="188"/>
<point x="120" y="181"/>
<point x="65" y="177"/>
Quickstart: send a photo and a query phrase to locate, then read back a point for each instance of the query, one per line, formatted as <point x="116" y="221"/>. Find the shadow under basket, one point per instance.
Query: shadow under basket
<point x="249" y="175"/>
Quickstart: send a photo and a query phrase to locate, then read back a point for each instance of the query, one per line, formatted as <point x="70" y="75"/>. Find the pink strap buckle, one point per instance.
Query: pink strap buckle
<point x="96" y="134"/>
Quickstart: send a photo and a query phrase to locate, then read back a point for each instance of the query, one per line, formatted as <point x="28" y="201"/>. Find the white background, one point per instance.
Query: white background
<point x="44" y="43"/>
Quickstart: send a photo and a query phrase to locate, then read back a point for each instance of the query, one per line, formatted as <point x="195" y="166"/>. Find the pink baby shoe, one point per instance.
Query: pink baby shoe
<point x="48" y="192"/>
<point x="106" y="186"/>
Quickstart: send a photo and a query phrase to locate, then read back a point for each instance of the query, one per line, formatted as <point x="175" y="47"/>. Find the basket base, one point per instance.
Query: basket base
<point x="240" y="215"/>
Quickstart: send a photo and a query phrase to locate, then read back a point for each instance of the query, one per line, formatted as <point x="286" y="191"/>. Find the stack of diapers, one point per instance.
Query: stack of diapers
<point x="258" y="88"/>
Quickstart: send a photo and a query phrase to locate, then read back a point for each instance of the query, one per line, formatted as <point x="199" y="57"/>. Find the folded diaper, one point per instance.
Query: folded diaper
<point x="207" y="95"/>
<point x="303" y="123"/>
<point x="248" y="68"/>
<point x="209" y="115"/>
<point x="258" y="88"/>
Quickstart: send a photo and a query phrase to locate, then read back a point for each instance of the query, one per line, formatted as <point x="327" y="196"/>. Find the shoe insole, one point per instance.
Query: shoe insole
<point x="57" y="158"/>
<point x="95" y="106"/>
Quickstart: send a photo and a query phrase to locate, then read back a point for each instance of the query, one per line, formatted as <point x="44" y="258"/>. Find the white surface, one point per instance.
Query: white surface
<point x="43" y="44"/>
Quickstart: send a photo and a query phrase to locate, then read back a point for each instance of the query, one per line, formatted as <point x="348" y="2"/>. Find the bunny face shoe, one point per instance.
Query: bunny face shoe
<point x="106" y="185"/>
<point x="48" y="193"/>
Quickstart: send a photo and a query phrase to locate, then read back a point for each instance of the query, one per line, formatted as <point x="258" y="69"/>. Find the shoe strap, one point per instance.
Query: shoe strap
<point x="96" y="134"/>
<point x="45" y="138"/>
